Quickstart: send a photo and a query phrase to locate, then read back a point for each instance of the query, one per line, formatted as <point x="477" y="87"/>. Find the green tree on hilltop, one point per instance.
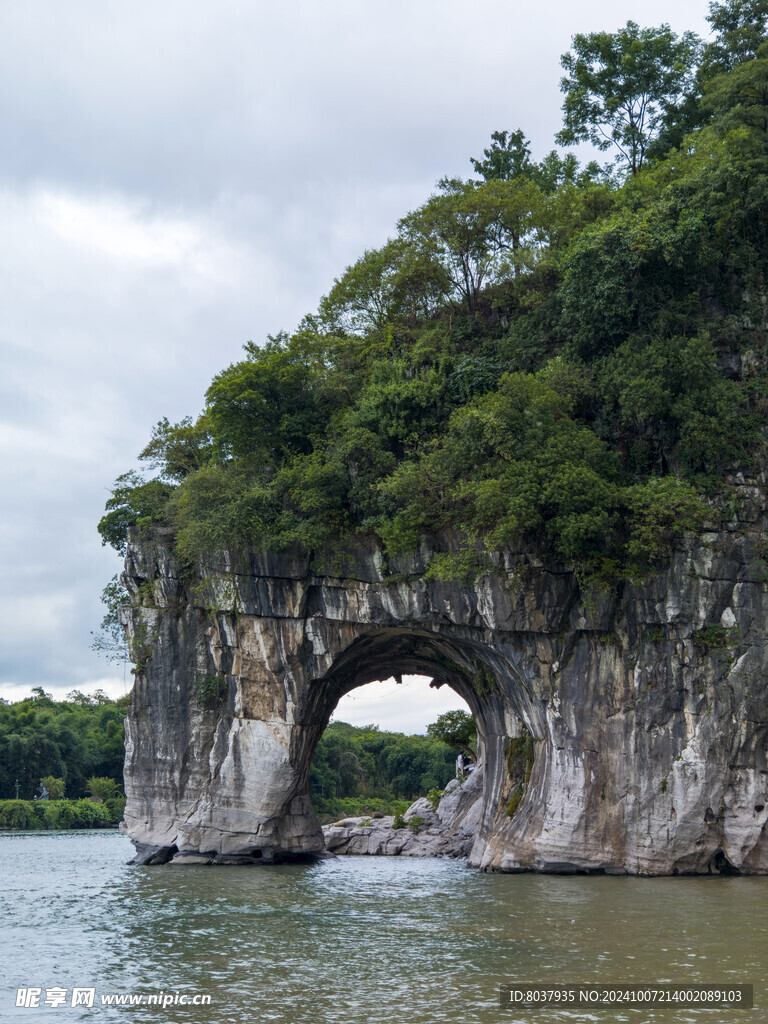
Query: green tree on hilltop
<point x="480" y="234"/>
<point x="740" y="27"/>
<point x="508" y="157"/>
<point x="620" y="87"/>
<point x="741" y="97"/>
<point x="384" y="288"/>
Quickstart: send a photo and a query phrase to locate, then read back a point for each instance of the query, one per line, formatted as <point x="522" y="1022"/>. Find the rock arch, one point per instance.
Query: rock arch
<point x="614" y="739"/>
<point x="457" y="662"/>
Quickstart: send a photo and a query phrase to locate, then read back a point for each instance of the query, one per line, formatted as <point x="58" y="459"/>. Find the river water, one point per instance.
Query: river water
<point x="355" y="939"/>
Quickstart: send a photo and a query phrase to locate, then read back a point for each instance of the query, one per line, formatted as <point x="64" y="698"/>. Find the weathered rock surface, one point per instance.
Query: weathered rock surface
<point x="646" y="707"/>
<point x="449" y="830"/>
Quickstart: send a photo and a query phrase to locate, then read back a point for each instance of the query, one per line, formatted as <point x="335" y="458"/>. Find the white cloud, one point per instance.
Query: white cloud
<point x="124" y="235"/>
<point x="407" y="707"/>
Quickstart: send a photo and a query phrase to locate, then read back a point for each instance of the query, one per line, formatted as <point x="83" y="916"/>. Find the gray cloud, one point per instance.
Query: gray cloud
<point x="179" y="178"/>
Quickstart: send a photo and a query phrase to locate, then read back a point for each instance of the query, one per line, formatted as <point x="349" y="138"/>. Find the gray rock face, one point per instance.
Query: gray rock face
<point x="620" y="732"/>
<point x="449" y="830"/>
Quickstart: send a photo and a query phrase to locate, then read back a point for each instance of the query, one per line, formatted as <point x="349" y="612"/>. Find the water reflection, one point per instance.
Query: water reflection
<point x="357" y="939"/>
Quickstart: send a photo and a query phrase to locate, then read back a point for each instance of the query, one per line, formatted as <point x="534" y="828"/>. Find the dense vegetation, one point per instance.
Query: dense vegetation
<point x="364" y="770"/>
<point x="565" y="356"/>
<point x="60" y="814"/>
<point x="78" y="740"/>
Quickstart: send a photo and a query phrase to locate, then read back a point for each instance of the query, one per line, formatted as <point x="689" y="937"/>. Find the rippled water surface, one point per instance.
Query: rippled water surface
<point x="356" y="939"/>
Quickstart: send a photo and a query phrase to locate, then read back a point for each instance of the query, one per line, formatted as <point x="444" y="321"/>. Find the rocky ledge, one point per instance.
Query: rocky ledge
<point x="448" y="830"/>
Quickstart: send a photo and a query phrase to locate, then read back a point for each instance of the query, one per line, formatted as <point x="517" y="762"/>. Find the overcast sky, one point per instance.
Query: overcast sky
<point x="179" y="178"/>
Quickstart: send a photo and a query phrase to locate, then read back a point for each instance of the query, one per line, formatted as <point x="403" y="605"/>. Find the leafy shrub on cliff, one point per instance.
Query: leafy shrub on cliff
<point x="136" y="501"/>
<point x="211" y="691"/>
<point x="434" y="796"/>
<point x="715" y="637"/>
<point x="656" y="512"/>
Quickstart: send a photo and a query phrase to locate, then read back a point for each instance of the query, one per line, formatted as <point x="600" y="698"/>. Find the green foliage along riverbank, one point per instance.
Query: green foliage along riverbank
<point x="362" y="770"/>
<point x="27" y="815"/>
<point x="74" y="740"/>
<point x="562" y="356"/>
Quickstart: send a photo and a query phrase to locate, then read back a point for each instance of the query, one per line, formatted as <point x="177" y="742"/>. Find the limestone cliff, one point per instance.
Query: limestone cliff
<point x="620" y="732"/>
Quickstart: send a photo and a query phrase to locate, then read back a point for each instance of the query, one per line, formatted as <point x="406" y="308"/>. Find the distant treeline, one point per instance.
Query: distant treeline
<point x="361" y="770"/>
<point x="60" y="814"/>
<point x="74" y="740"/>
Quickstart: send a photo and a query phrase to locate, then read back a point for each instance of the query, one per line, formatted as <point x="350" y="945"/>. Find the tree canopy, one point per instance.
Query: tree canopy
<point x="70" y="741"/>
<point x="456" y="728"/>
<point x="620" y="87"/>
<point x="740" y="30"/>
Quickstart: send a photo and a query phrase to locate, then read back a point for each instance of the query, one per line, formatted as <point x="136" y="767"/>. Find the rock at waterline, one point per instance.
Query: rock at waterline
<point x="448" y="831"/>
